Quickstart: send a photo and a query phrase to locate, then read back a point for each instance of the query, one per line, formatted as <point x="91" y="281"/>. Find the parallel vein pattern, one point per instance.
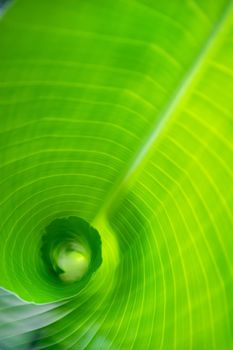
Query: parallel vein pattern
<point x="119" y="113"/>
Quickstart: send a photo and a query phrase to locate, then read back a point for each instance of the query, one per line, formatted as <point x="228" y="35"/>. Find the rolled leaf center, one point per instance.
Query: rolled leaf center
<point x="71" y="249"/>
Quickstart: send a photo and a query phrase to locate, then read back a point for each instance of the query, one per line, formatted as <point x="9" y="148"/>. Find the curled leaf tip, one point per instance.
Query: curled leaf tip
<point x="73" y="263"/>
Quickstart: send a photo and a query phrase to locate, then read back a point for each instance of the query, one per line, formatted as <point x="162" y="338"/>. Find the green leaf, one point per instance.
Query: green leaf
<point x="121" y="113"/>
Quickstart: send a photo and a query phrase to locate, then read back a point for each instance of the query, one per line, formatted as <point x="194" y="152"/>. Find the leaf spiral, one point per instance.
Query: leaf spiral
<point x="119" y="113"/>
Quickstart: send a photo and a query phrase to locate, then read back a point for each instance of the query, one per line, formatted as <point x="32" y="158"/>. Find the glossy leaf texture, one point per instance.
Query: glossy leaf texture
<point x="121" y="113"/>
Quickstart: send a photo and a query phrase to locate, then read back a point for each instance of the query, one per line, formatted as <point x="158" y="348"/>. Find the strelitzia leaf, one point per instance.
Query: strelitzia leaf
<point x="118" y="114"/>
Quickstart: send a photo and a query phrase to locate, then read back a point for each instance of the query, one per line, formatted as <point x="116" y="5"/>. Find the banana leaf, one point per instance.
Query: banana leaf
<point x="119" y="113"/>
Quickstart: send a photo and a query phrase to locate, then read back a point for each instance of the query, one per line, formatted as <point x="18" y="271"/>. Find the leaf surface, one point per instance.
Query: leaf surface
<point x="121" y="113"/>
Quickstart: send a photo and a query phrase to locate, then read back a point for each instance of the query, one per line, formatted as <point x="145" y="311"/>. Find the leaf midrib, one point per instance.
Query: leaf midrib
<point x="182" y="91"/>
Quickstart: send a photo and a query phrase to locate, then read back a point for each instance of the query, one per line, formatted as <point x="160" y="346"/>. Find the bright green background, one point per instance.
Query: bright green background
<point x="119" y="112"/>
